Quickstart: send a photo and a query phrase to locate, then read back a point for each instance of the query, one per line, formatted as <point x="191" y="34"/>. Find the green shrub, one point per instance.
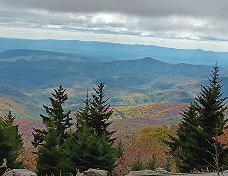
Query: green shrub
<point x="151" y="164"/>
<point x="137" y="165"/>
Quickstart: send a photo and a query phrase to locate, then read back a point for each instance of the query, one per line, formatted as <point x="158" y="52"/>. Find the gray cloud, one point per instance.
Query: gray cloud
<point x="136" y="7"/>
<point x="193" y="19"/>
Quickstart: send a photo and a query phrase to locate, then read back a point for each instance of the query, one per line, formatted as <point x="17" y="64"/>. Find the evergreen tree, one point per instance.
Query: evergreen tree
<point x="83" y="114"/>
<point x="13" y="140"/>
<point x="52" y="154"/>
<point x="88" y="150"/>
<point x="203" y="122"/>
<point x="4" y="150"/>
<point x="99" y="119"/>
<point x="57" y="118"/>
<point x="211" y="108"/>
<point x="90" y="146"/>
<point x="52" y="158"/>
<point x="185" y="146"/>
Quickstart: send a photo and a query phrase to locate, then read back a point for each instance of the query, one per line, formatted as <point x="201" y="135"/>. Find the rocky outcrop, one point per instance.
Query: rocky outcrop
<point x="158" y="171"/>
<point x="161" y="170"/>
<point x="19" y="172"/>
<point x="95" y="172"/>
<point x="142" y="172"/>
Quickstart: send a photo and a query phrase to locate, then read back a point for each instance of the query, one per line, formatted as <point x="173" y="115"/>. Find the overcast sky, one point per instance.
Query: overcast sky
<point x="172" y="23"/>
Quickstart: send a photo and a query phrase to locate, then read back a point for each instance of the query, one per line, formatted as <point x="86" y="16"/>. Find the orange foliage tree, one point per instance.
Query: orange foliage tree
<point x="144" y="145"/>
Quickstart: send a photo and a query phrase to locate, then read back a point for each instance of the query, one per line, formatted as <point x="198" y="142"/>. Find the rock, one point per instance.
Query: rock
<point x="95" y="172"/>
<point x="79" y="173"/>
<point x="161" y="170"/>
<point x="19" y="172"/>
<point x="143" y="172"/>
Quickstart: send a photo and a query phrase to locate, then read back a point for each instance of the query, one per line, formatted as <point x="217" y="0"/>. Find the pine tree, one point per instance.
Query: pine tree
<point x="185" y="146"/>
<point x="13" y="141"/>
<point x="211" y="108"/>
<point x="52" y="154"/>
<point x="4" y="150"/>
<point x="84" y="113"/>
<point x="88" y="150"/>
<point x="99" y="120"/>
<point x="56" y="117"/>
<point x="52" y="158"/>
<point x="90" y="146"/>
<point x="203" y="122"/>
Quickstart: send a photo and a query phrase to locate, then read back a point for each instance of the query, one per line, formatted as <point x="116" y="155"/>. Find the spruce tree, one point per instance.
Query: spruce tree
<point x="13" y="140"/>
<point x="211" y="108"/>
<point x="52" y="158"/>
<point x="52" y="154"/>
<point x="87" y="150"/>
<point x="185" y="146"/>
<point x="100" y="110"/>
<point x="83" y="114"/>
<point x="194" y="144"/>
<point x="56" y="118"/>
<point x="4" y="150"/>
<point x="90" y="146"/>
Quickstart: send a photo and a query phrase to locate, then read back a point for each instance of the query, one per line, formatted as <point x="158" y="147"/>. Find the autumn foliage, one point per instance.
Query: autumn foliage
<point x="143" y="145"/>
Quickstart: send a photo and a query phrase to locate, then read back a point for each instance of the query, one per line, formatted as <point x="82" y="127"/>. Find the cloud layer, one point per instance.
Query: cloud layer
<point x="173" y="19"/>
<point x="136" y="7"/>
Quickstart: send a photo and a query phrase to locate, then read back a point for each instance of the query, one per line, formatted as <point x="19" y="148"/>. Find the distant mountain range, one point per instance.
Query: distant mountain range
<point x="28" y="77"/>
<point x="38" y="55"/>
<point x="147" y="85"/>
<point x="109" y="51"/>
<point x="33" y="69"/>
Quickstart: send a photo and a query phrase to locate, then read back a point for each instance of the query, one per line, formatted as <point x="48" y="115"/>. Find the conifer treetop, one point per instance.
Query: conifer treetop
<point x="9" y="118"/>
<point x="203" y="122"/>
<point x="56" y="118"/>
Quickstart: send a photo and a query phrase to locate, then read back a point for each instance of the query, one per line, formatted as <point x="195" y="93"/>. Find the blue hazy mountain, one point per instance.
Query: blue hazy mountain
<point x="109" y="51"/>
<point x="31" y="54"/>
<point x="34" y="69"/>
<point x="28" y="75"/>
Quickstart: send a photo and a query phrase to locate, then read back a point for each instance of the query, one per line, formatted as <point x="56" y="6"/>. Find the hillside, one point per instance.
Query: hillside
<point x="127" y="118"/>
<point x="147" y="95"/>
<point x="39" y="73"/>
<point x="29" y="76"/>
<point x="150" y="111"/>
<point x="22" y="105"/>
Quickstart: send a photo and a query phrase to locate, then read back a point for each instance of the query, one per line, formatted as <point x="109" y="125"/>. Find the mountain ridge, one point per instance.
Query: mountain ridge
<point x="129" y="82"/>
<point x="29" y="52"/>
<point x="112" y="51"/>
<point x="36" y="55"/>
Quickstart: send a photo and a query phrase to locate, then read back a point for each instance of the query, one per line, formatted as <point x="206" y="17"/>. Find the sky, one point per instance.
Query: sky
<point x="199" y="24"/>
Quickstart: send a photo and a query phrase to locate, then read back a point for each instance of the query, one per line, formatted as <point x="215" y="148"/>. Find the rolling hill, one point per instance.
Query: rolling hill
<point x="148" y="86"/>
<point x="29" y="76"/>
<point x="35" y="72"/>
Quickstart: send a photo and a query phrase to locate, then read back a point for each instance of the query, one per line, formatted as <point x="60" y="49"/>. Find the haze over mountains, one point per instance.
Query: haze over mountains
<point x="134" y="74"/>
<point x="102" y="51"/>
